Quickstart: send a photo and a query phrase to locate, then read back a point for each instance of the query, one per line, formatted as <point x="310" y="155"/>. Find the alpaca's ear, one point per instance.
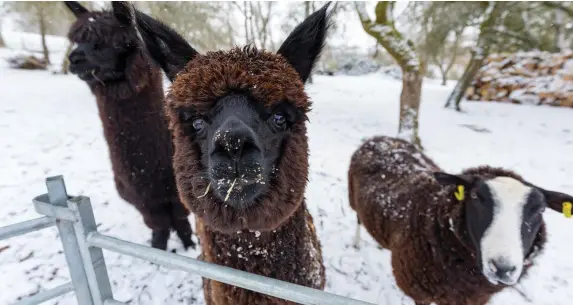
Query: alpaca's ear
<point x="449" y="179"/>
<point x="165" y="46"/>
<point x="76" y="8"/>
<point x="303" y="46"/>
<point x="124" y="12"/>
<point x="559" y="202"/>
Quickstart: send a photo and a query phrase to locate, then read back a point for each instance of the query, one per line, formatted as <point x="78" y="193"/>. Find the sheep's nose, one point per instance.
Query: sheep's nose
<point x="501" y="269"/>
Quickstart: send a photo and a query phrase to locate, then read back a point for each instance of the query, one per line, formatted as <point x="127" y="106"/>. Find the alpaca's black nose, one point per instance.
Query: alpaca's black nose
<point x="77" y="57"/>
<point x="234" y="140"/>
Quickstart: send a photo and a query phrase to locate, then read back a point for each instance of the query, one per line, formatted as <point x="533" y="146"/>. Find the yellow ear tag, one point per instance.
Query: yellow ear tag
<point x="460" y="193"/>
<point x="567" y="206"/>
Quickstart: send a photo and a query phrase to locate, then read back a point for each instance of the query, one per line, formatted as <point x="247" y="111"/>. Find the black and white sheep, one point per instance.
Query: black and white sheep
<point x="455" y="239"/>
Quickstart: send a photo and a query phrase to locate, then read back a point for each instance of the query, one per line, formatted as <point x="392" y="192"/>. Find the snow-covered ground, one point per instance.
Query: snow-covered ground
<point x="49" y="125"/>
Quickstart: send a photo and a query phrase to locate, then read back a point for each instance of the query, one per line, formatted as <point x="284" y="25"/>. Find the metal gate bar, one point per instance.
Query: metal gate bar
<point x="44" y="296"/>
<point x="26" y="227"/>
<point x="83" y="250"/>
<point x="239" y="278"/>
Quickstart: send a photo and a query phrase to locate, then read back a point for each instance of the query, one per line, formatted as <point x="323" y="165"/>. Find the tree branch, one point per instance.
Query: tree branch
<point x="385" y="33"/>
<point x="558" y="6"/>
<point x="524" y="38"/>
<point x="362" y="13"/>
<point x="456" y="47"/>
<point x="384" y="11"/>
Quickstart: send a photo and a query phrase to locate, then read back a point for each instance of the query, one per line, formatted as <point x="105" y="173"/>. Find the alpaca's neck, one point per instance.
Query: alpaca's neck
<point x="277" y="253"/>
<point x="140" y="87"/>
<point x="134" y="123"/>
<point x="135" y="101"/>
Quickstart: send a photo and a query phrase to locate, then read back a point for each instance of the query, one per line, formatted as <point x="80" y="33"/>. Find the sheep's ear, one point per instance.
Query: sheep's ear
<point x="124" y="12"/>
<point x="76" y="8"/>
<point x="449" y="179"/>
<point x="303" y="46"/>
<point x="165" y="46"/>
<point x="559" y="202"/>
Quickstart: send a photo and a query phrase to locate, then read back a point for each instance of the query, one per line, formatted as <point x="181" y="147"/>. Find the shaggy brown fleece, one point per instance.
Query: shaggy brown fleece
<point x="276" y="236"/>
<point x="290" y="253"/>
<point x="132" y="113"/>
<point x="407" y="211"/>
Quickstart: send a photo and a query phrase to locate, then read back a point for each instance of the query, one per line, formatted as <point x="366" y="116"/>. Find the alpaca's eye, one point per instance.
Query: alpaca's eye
<point x="199" y="124"/>
<point x="279" y="119"/>
<point x="185" y="116"/>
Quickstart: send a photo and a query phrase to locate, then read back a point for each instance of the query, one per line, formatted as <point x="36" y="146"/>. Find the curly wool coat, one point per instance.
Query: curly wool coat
<point x="275" y="237"/>
<point x="407" y="211"/>
<point x="134" y="124"/>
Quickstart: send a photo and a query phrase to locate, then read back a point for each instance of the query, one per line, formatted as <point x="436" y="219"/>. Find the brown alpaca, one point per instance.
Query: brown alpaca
<point x="241" y="154"/>
<point x="449" y="245"/>
<point x="129" y="95"/>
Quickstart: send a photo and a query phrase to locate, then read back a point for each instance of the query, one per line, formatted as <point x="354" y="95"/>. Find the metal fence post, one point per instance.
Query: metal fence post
<point x="93" y="260"/>
<point x="58" y="197"/>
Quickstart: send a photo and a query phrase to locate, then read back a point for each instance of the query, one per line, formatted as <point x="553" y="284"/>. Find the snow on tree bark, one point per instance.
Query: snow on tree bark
<point x="42" y="24"/>
<point x="402" y="50"/>
<point x="2" y="44"/>
<point x="66" y="61"/>
<point x="410" y="107"/>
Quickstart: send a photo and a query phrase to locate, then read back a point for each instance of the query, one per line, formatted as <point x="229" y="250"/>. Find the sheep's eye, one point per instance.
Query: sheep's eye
<point x="536" y="210"/>
<point x="198" y="124"/>
<point x="473" y="195"/>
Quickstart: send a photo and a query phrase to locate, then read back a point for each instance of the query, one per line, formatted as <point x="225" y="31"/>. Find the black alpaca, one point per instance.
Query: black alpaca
<point x="129" y="94"/>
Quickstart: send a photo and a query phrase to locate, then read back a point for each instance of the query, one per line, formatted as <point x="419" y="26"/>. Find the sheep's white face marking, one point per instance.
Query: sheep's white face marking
<point x="503" y="219"/>
<point x="501" y="245"/>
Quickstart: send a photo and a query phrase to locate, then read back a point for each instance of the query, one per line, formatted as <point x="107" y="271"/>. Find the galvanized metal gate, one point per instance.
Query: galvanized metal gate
<point x="83" y="246"/>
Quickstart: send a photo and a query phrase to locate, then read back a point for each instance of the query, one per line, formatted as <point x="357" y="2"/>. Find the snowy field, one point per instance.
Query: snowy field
<point x="49" y="125"/>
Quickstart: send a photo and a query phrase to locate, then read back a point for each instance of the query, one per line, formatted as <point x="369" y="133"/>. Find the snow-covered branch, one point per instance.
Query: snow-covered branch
<point x="384" y="31"/>
<point x="362" y="13"/>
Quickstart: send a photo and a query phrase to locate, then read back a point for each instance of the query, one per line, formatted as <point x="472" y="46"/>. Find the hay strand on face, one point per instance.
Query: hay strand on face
<point x="97" y="78"/>
<point x="206" y="191"/>
<point x="230" y="189"/>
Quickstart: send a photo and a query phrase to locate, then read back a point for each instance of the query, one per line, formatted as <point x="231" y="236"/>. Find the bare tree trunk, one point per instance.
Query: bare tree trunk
<point x="453" y="58"/>
<point x="251" y="25"/>
<point x="261" y="22"/>
<point x="559" y="31"/>
<point x="307" y="10"/>
<point x="42" y="23"/>
<point x="2" y="44"/>
<point x="464" y="82"/>
<point x="491" y="18"/>
<point x="403" y="51"/>
<point x="376" y="50"/>
<point x="246" y="22"/>
<point x="66" y="62"/>
<point x="410" y="107"/>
